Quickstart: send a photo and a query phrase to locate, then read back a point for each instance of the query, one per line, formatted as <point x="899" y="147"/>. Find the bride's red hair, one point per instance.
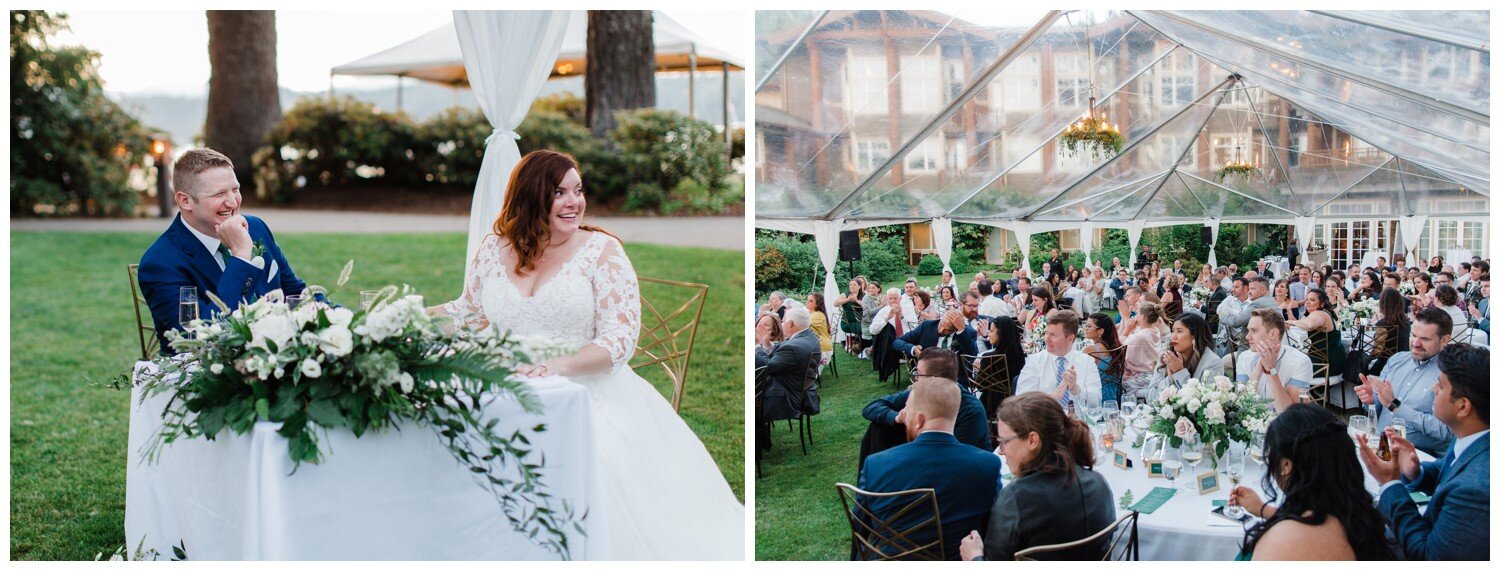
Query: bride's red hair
<point x="523" y="219"/>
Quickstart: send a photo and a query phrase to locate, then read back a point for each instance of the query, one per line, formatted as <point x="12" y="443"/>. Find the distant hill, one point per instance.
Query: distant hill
<point x="182" y="115"/>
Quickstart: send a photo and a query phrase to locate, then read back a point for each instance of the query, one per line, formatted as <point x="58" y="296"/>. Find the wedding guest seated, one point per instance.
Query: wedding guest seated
<point x="1142" y="337"/>
<point x="1257" y="296"/>
<point x="784" y="367"/>
<point x="1060" y="371"/>
<point x="1190" y="354"/>
<point x="891" y="322"/>
<point x="1456" y="525"/>
<point x="1404" y="389"/>
<point x="1005" y="343"/>
<point x="211" y="245"/>
<point x="886" y="414"/>
<point x="1325" y="344"/>
<point x="1447" y="301"/>
<point x="1275" y="369"/>
<point x="768" y="333"/>
<point x="993" y="305"/>
<point x="1104" y="346"/>
<point x="947" y="333"/>
<point x="964" y="478"/>
<point x="1480" y="310"/>
<point x="1326" y="513"/>
<point x="1390" y="336"/>
<point x="775" y="303"/>
<point x="1056" y="496"/>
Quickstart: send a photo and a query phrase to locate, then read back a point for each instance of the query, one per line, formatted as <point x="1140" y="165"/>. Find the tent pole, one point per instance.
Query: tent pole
<point x="789" y="49"/>
<point x="728" y="136"/>
<point x="1187" y="148"/>
<point x="692" y="79"/>
<point x="1392" y="26"/>
<point x="1356" y="183"/>
<point x="1233" y="191"/>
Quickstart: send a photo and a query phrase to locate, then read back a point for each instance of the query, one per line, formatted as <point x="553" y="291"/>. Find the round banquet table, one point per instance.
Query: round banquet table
<point x="1182" y="529"/>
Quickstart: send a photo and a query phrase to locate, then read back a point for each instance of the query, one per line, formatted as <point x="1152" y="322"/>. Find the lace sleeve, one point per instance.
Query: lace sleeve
<point x="466" y="311"/>
<point x="617" y="310"/>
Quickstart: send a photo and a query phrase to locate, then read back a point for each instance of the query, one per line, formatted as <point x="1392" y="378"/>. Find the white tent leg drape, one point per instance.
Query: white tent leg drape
<point x="1133" y="229"/>
<point x="942" y="233"/>
<point x="508" y="56"/>
<point x="1304" y="225"/>
<point x="1022" y="231"/>
<point x="1213" y="234"/>
<point x="1086" y="241"/>
<point x="1411" y="234"/>
<point x="826" y="236"/>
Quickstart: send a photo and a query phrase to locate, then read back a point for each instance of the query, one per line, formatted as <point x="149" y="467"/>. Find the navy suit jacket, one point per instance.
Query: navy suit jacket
<point x="970" y="427"/>
<point x="178" y="259"/>
<point x="1456" y="526"/>
<point x="926" y="335"/>
<point x="964" y="478"/>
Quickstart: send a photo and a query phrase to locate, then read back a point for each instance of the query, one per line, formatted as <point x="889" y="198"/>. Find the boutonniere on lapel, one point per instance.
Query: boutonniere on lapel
<point x="257" y="250"/>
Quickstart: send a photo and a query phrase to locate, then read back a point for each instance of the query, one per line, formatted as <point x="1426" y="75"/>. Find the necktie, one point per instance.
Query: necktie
<point x="896" y="311"/>
<point x="944" y="341"/>
<point x="1062" y="365"/>
<point x="224" y="255"/>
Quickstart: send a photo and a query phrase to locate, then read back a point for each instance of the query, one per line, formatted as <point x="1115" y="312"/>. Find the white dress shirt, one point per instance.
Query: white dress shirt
<point x="995" y="307"/>
<point x="212" y="243"/>
<point x="1040" y="374"/>
<point x="1292" y="366"/>
<point x="883" y="318"/>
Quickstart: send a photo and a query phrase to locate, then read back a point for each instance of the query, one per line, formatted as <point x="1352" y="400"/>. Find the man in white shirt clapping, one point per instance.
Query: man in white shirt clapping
<point x="1060" y="370"/>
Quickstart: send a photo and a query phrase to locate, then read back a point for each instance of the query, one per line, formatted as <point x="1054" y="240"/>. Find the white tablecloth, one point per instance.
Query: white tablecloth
<point x="1183" y="529"/>
<point x="385" y="496"/>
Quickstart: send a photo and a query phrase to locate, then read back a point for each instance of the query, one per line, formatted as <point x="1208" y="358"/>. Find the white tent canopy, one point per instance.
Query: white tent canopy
<point x="899" y="116"/>
<point x="435" y="55"/>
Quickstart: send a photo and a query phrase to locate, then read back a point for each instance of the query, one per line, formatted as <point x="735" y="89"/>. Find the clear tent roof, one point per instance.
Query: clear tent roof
<point x="907" y="115"/>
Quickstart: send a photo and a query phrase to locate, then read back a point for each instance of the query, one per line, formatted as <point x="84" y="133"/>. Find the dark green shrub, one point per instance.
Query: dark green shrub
<point x="772" y="271"/>
<point x="666" y="147"/>
<point x="929" y="265"/>
<point x="324" y="142"/>
<point x="450" y="146"/>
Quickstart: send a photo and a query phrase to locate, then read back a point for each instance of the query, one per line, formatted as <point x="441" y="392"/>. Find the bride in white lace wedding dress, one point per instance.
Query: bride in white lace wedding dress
<point x="664" y="496"/>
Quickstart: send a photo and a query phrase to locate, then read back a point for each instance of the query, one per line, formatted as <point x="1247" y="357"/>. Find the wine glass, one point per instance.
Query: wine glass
<point x="1111" y="405"/>
<point x="1359" y="424"/>
<point x="1094" y="413"/>
<point x="1171" y="465"/>
<point x="1234" y="468"/>
<point x="187" y="305"/>
<point x="1127" y="410"/>
<point x="1399" y="425"/>
<point x="292" y="301"/>
<point x="367" y="298"/>
<point x="1192" y="453"/>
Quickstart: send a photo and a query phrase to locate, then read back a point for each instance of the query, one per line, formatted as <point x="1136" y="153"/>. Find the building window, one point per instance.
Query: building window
<point x="866" y="94"/>
<point x="923" y="158"/>
<point x="1072" y="72"/>
<point x="921" y="84"/>
<point x="1176" y="82"/>
<point x="1349" y="241"/>
<point x="956" y="155"/>
<point x="921" y="237"/>
<point x="1019" y="87"/>
<point x="871" y="153"/>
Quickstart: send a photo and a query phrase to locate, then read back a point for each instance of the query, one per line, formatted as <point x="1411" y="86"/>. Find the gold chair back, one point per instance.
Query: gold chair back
<point x="667" y="337"/>
<point x="1123" y="546"/>
<point x="990" y="374"/>
<point x="878" y="539"/>
<point x="145" y="328"/>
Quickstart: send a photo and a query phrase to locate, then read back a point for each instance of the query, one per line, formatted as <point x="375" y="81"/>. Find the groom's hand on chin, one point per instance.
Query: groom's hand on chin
<point x="235" y="234"/>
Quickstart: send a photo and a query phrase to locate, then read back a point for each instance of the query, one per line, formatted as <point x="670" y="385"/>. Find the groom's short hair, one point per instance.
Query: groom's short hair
<point x="191" y="164"/>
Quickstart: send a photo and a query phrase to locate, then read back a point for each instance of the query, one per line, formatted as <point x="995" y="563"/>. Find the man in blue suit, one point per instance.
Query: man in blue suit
<point x="211" y="246"/>
<point x="965" y="479"/>
<point x="1457" y="523"/>
<point x="950" y="332"/>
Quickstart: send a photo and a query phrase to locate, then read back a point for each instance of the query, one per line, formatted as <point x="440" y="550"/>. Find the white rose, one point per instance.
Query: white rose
<point x="1223" y="383"/>
<point x="1168" y="393"/>
<point x="216" y="368"/>
<point x="340" y="316"/>
<point x="311" y="369"/>
<point x="336" y="341"/>
<point x="305" y="314"/>
<point x="1214" y="413"/>
<point x="1184" y="427"/>
<point x="407" y="382"/>
<point x="1193" y="405"/>
<point x="273" y="328"/>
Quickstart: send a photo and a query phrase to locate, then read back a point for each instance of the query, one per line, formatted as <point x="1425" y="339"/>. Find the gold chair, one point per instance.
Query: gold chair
<point x="1124" y="546"/>
<point x="145" y="328"/>
<point x="664" y="341"/>
<point x="989" y="374"/>
<point x="876" y="539"/>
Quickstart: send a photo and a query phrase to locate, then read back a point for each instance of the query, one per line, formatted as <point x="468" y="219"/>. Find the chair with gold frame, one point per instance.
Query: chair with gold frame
<point x="145" y="329"/>
<point x="1125" y="544"/>
<point x="877" y="539"/>
<point x="665" y="339"/>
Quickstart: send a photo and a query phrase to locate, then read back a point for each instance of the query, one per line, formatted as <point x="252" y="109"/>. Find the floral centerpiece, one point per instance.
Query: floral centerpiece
<point x="1035" y="337"/>
<point x="1406" y="288"/>
<point x="1219" y="413"/>
<point x="316" y="367"/>
<point x="1199" y="295"/>
<point x="1364" y="308"/>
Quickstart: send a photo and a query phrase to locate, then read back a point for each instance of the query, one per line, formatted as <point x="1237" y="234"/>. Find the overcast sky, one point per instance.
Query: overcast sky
<point x="167" y="51"/>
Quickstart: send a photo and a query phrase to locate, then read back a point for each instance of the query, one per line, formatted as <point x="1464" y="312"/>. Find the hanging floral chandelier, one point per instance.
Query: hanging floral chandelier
<point x="1236" y="167"/>
<point x="1093" y="134"/>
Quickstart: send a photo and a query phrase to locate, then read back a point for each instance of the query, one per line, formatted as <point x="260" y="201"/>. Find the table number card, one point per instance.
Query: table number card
<point x="1208" y="482"/>
<point x="1122" y="459"/>
<point x="1154" y="468"/>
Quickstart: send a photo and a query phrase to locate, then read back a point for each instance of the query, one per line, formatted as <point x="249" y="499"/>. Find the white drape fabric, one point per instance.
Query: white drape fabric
<point x="942" y="233"/>
<point x="508" y="55"/>
<point x="1086" y="241"/>
<point x="1133" y="229"/>
<point x="1022" y="231"/>
<point x="826" y="236"/>
<point x="1213" y="229"/>
<point x="1304" y="226"/>
<point x="1411" y="235"/>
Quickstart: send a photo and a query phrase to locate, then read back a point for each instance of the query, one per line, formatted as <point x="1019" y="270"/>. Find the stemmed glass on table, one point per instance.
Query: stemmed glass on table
<point x="1192" y="453"/>
<point x="1234" y="468"/>
<point x="1171" y="465"/>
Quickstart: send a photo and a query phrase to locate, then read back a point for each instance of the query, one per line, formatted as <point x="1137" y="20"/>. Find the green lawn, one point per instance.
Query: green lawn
<point x="798" y="515"/>
<point x="72" y="327"/>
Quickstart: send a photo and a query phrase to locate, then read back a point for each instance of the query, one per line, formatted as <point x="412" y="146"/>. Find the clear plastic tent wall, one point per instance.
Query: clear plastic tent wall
<point x="888" y="116"/>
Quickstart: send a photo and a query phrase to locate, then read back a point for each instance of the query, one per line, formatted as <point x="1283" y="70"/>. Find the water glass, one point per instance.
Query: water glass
<point x="1399" y="425"/>
<point x="1359" y="424"/>
<point x="187" y="305"/>
<point x="1111" y="406"/>
<point x="292" y="301"/>
<point x="367" y="298"/>
<point x="1171" y="465"/>
<point x="1127" y="409"/>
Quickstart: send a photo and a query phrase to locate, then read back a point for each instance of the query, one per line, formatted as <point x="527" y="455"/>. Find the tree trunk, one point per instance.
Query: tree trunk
<point x="243" y="97"/>
<point x="621" y="68"/>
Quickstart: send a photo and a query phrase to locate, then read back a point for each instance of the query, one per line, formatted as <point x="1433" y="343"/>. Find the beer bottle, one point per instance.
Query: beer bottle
<point x="1385" y="447"/>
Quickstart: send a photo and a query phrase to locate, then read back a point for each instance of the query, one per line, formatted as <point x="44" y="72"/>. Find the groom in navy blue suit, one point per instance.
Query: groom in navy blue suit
<point x="950" y="332"/>
<point x="1457" y="523"/>
<point x="965" y="479"/>
<point x="211" y="246"/>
